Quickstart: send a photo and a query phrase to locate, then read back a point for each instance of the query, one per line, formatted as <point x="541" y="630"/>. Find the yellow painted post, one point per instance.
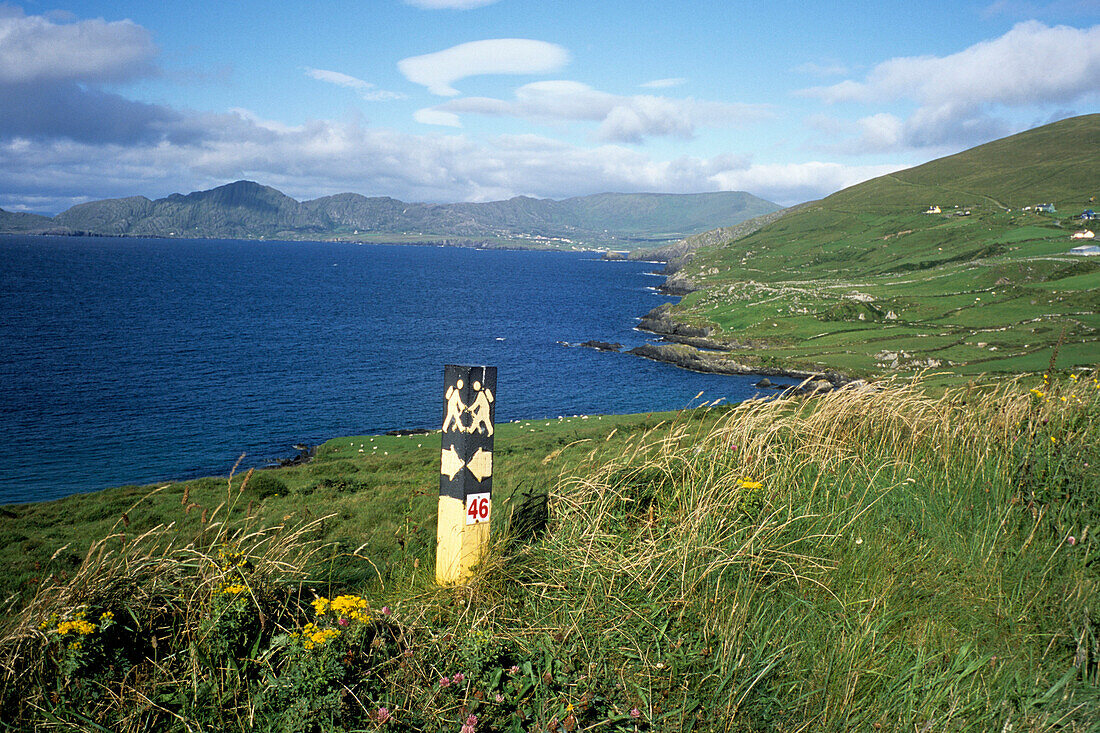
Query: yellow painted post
<point x="466" y="471"/>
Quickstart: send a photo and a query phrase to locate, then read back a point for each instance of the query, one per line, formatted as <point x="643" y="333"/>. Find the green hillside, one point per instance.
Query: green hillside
<point x="17" y="221"/>
<point x="660" y="215"/>
<point x="1057" y="162"/>
<point x="864" y="281"/>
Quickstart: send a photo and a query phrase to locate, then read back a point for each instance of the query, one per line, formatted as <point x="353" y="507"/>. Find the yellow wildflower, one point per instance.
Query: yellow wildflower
<point x="324" y="635"/>
<point x="233" y="589"/>
<point x="76" y="626"/>
<point x="352" y="607"/>
<point x="312" y="635"/>
<point x="750" y="484"/>
<point x="320" y="605"/>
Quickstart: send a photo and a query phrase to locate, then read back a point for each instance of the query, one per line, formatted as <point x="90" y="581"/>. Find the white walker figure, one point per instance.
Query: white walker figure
<point x="455" y="408"/>
<point x="479" y="410"/>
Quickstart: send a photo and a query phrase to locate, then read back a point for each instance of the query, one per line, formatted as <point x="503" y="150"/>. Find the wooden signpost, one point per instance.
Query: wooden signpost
<point x="466" y="471"/>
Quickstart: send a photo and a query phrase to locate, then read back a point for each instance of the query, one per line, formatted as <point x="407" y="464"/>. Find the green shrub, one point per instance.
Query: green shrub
<point x="264" y="484"/>
<point x="335" y="672"/>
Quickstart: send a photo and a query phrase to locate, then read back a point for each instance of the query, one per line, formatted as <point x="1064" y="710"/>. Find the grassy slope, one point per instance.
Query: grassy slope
<point x="381" y="489"/>
<point x="659" y="216"/>
<point x="17" y="221"/>
<point x="904" y="563"/>
<point x="993" y="291"/>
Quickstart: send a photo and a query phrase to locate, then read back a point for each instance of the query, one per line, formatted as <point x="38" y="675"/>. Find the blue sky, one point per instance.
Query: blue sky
<point x="475" y="100"/>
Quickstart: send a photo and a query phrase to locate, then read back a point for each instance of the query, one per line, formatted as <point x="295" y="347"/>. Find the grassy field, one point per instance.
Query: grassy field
<point x="865" y="282"/>
<point x="378" y="492"/>
<point x="874" y="559"/>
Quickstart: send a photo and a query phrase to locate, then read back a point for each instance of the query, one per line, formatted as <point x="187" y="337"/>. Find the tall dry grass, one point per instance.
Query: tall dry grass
<point x="162" y="589"/>
<point x="871" y="557"/>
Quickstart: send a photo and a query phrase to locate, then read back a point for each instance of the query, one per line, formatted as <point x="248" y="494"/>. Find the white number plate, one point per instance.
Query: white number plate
<point x="477" y="508"/>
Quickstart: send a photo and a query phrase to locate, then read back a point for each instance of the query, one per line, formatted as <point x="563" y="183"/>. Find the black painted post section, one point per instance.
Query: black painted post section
<point x="468" y="420"/>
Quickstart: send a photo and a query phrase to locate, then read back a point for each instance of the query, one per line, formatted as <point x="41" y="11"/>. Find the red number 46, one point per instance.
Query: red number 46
<point x="477" y="508"/>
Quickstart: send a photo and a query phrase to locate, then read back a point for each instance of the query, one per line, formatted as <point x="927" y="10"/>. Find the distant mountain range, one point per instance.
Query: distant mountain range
<point x="248" y="210"/>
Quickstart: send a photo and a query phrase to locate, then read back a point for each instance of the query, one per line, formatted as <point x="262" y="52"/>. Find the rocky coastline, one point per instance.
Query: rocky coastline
<point x="691" y="358"/>
<point x="692" y="347"/>
<point x="305" y="455"/>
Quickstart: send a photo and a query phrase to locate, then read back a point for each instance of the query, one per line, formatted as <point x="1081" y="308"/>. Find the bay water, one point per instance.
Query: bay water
<point x="133" y="361"/>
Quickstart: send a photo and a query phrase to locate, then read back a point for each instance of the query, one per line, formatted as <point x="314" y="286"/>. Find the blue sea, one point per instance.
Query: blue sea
<point x="132" y="361"/>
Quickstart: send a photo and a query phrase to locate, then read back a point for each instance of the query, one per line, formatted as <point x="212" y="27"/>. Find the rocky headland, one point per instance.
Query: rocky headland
<point x="693" y="347"/>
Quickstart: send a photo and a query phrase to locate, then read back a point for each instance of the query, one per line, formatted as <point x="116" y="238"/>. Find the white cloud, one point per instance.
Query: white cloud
<point x="449" y="4"/>
<point x="436" y="117"/>
<point x="324" y="157"/>
<point x="438" y="71"/>
<point x="621" y="119"/>
<point x="941" y="129"/>
<point x="35" y="49"/>
<point x="791" y="183"/>
<point x="365" y="89"/>
<point x="880" y="132"/>
<point x="264" y="124"/>
<point x="645" y="117"/>
<point x="951" y="126"/>
<point x="1031" y="67"/>
<point x="1030" y="64"/>
<point x="664" y="83"/>
<point x="563" y="100"/>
